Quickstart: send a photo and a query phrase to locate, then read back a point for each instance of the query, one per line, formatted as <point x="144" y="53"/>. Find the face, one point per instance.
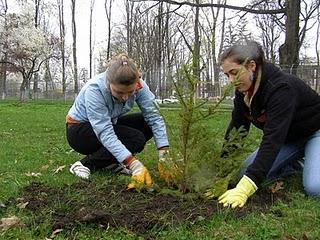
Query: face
<point x="122" y="92"/>
<point x="238" y="74"/>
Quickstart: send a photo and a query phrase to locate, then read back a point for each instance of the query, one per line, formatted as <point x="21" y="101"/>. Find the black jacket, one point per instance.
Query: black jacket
<point x="284" y="107"/>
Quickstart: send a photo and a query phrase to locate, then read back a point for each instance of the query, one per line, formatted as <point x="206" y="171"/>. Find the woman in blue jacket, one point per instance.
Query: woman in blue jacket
<point x="98" y="128"/>
<point x="287" y="111"/>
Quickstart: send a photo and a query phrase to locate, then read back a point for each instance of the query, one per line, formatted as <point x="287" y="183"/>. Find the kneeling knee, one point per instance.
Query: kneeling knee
<point x="312" y="188"/>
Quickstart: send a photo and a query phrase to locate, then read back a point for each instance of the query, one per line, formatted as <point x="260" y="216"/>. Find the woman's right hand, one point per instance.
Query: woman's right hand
<point x="140" y="176"/>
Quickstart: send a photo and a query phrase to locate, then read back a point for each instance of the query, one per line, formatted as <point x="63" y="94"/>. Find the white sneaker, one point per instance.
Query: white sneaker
<point x="79" y="170"/>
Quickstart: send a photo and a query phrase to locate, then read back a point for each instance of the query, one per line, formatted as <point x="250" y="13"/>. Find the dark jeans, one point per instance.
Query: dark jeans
<point x="131" y="129"/>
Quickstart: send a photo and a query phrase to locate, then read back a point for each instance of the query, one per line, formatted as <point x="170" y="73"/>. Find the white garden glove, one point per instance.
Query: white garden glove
<point x="140" y="175"/>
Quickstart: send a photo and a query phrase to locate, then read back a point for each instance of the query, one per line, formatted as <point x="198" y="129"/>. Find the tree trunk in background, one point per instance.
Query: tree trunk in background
<point x="3" y="66"/>
<point x="23" y="89"/>
<point x="36" y="25"/>
<point x="25" y="85"/>
<point x="289" y="51"/>
<point x="196" y="50"/>
<point x="3" y="78"/>
<point x="90" y="39"/>
<point x="108" y="9"/>
<point x="74" y="48"/>
<point x="159" y="49"/>
<point x="216" y="68"/>
<point x="48" y="79"/>
<point x="129" y="11"/>
<point x="167" y="83"/>
<point x="62" y="46"/>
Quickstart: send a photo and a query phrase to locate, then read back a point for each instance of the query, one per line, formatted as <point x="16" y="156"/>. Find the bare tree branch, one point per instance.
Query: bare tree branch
<point x="185" y="40"/>
<point x="243" y="9"/>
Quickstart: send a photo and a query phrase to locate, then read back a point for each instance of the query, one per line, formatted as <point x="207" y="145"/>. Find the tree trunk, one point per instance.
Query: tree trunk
<point x="62" y="46"/>
<point x="108" y="14"/>
<point x="215" y="64"/>
<point x="90" y="39"/>
<point x="289" y="51"/>
<point x="36" y="24"/>
<point x="24" y="87"/>
<point x="159" y="49"/>
<point x="48" y="78"/>
<point x="35" y="86"/>
<point x="3" y="73"/>
<point x="3" y="78"/>
<point x="129" y="10"/>
<point x="168" y="76"/>
<point x="196" y="49"/>
<point x="74" y="48"/>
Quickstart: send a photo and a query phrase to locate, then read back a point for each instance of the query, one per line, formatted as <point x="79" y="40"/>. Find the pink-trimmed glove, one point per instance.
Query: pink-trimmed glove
<point x="239" y="195"/>
<point x="140" y="175"/>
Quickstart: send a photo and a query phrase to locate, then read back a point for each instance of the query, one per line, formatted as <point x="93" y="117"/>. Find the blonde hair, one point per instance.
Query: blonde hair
<point x="122" y="70"/>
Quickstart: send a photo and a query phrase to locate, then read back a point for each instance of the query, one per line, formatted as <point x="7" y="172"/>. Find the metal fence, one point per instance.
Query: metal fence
<point x="310" y="74"/>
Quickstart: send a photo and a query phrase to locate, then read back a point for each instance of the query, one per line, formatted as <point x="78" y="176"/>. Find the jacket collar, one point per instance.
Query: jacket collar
<point x="265" y="72"/>
<point x="248" y="97"/>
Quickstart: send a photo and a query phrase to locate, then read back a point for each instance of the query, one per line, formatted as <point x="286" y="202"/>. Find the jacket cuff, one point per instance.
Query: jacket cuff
<point x="252" y="182"/>
<point x="127" y="162"/>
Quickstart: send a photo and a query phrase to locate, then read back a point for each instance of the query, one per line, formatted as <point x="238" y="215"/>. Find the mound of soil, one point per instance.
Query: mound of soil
<point x="109" y="205"/>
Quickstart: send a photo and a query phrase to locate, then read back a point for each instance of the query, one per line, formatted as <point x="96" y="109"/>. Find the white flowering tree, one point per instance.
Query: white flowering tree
<point x="27" y="47"/>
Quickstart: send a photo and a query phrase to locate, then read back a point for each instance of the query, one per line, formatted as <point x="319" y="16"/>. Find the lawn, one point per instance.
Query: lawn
<point x="50" y="203"/>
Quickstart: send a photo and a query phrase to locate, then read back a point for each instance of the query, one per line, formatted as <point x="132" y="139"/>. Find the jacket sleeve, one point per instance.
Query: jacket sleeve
<point x="280" y="110"/>
<point x="150" y="111"/>
<point x="238" y="117"/>
<point x="100" y="120"/>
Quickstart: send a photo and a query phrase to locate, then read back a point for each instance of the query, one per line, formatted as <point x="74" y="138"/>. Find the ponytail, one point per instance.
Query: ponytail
<point x="122" y="70"/>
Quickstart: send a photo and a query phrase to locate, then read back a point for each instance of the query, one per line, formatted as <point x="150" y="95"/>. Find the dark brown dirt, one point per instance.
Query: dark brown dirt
<point x="109" y="205"/>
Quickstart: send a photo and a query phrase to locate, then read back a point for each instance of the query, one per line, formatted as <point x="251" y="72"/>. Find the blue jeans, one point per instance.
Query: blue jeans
<point x="309" y="148"/>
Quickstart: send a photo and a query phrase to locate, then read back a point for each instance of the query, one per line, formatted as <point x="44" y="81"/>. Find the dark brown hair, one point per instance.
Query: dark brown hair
<point x="122" y="70"/>
<point x="244" y="53"/>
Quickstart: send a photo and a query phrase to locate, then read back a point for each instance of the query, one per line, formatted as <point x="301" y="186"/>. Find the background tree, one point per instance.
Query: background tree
<point x="4" y="55"/>
<point x="28" y="48"/>
<point x="289" y="50"/>
<point x="108" y="10"/>
<point x="62" y="34"/>
<point x="74" y="47"/>
<point x="129" y="11"/>
<point x="90" y="38"/>
<point x="37" y="8"/>
<point x="213" y="49"/>
<point x="270" y="33"/>
<point x="162" y="35"/>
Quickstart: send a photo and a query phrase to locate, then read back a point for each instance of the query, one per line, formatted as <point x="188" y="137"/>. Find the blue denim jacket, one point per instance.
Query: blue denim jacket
<point x="96" y="105"/>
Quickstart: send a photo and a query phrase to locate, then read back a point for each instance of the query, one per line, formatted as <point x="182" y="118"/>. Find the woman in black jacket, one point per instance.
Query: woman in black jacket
<point x="287" y="111"/>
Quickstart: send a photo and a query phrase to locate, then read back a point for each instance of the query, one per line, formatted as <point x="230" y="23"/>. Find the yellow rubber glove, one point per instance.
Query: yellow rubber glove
<point x="140" y="175"/>
<point x="239" y="195"/>
<point x="166" y="167"/>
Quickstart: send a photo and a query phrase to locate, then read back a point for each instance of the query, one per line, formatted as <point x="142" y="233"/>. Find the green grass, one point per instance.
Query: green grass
<point x="32" y="140"/>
